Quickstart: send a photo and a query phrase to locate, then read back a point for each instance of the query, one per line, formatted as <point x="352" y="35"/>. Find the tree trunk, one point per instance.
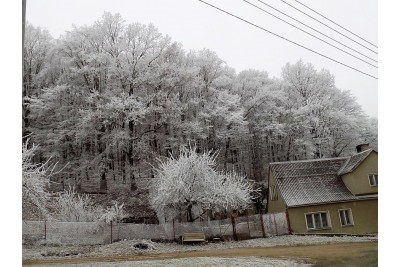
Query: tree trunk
<point x="103" y="166"/>
<point x="130" y="157"/>
<point x="103" y="181"/>
<point x="189" y="211"/>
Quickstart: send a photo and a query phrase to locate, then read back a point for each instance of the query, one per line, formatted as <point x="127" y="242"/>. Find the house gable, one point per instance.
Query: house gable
<point x="357" y="181"/>
<point x="278" y="204"/>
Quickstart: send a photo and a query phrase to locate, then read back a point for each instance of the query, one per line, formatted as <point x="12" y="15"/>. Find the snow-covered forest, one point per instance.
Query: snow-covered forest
<point x="110" y="98"/>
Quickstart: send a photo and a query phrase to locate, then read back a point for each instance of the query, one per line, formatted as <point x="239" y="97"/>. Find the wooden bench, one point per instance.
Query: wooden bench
<point x="193" y="237"/>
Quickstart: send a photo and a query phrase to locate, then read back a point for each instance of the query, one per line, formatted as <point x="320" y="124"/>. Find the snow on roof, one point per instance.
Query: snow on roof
<point x="354" y="161"/>
<point x="311" y="182"/>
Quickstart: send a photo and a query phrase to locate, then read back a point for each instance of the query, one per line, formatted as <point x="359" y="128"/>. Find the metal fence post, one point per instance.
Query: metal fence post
<point x="248" y="224"/>
<point x="45" y="230"/>
<point x="173" y="228"/>
<point x="220" y="231"/>
<point x="111" y="232"/>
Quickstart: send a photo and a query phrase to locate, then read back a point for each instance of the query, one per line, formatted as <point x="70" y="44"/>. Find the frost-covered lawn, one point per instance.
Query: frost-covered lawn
<point x="126" y="247"/>
<point x="196" y="262"/>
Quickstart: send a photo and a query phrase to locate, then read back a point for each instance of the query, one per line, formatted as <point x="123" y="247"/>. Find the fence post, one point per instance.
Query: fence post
<point x="220" y="231"/>
<point x="111" y="232"/>
<point x="45" y="230"/>
<point x="234" y="228"/>
<point x="248" y="224"/>
<point x="119" y="228"/>
<point x="262" y="225"/>
<point x="173" y="228"/>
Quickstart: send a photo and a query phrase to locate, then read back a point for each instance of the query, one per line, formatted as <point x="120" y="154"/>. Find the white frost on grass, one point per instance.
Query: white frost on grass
<point x="196" y="262"/>
<point x="123" y="247"/>
<point x="126" y="247"/>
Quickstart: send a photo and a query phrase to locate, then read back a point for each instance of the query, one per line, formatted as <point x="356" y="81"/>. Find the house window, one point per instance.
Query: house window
<point x="346" y="217"/>
<point x="317" y="220"/>
<point x="273" y="192"/>
<point x="373" y="179"/>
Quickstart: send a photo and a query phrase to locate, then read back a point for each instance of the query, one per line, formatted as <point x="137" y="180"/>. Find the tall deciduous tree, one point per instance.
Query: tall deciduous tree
<point x="36" y="48"/>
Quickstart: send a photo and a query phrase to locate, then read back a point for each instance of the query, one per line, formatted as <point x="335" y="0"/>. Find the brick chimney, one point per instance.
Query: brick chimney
<point x="362" y="147"/>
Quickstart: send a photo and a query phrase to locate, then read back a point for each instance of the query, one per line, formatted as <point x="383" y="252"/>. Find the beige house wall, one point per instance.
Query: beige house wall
<point x="365" y="217"/>
<point x="357" y="181"/>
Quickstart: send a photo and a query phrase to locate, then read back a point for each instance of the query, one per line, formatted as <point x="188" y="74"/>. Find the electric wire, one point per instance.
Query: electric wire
<point x="344" y="51"/>
<point x="316" y="30"/>
<point x="335" y="23"/>
<point x="328" y="26"/>
<point x="261" y="28"/>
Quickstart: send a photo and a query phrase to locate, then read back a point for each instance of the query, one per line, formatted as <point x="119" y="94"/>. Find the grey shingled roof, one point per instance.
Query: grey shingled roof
<point x="311" y="181"/>
<point x="354" y="161"/>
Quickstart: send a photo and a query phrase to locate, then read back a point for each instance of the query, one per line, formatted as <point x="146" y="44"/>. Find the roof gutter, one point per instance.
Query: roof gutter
<point x="333" y="202"/>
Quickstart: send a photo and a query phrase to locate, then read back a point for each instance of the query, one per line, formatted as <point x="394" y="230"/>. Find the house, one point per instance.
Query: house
<point x="327" y="196"/>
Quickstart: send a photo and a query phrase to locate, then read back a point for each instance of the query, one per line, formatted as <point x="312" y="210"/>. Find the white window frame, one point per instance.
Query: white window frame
<point x="375" y="179"/>
<point x="273" y="192"/>
<point x="313" y="215"/>
<point x="346" y="224"/>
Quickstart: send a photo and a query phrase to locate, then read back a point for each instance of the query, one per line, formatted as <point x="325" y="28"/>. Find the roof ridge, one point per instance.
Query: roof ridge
<point x="307" y="175"/>
<point x="307" y="160"/>
<point x="367" y="150"/>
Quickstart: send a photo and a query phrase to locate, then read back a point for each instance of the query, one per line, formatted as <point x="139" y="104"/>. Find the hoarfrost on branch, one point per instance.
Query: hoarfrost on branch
<point x="192" y="182"/>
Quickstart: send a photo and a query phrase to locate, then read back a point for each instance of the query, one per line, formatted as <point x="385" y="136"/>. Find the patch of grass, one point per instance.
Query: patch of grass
<point x="368" y="258"/>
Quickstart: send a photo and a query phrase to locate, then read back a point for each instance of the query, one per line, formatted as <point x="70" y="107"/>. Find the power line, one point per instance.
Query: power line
<point x="310" y="34"/>
<point x="261" y="28"/>
<point x="335" y="23"/>
<point x="316" y="30"/>
<point x="328" y="26"/>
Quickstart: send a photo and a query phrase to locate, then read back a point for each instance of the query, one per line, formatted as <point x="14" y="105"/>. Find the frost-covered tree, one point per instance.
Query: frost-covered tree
<point x="37" y="45"/>
<point x="69" y="206"/>
<point x="35" y="179"/>
<point x="192" y="183"/>
<point x="111" y="97"/>
<point x="114" y="213"/>
<point x="323" y="120"/>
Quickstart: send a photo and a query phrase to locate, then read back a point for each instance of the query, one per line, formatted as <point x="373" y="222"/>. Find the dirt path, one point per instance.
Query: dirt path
<point x="308" y="253"/>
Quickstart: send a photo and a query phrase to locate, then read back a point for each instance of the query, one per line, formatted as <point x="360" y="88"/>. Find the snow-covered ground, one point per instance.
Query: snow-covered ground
<point x="126" y="247"/>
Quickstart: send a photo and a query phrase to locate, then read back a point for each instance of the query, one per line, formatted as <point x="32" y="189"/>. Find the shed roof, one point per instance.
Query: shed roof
<point x="311" y="182"/>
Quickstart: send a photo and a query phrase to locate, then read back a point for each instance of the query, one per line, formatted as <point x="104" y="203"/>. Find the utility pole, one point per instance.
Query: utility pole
<point x="23" y="56"/>
<point x="23" y="23"/>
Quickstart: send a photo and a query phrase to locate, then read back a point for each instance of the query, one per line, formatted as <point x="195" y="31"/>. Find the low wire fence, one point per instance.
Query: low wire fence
<point x="90" y="233"/>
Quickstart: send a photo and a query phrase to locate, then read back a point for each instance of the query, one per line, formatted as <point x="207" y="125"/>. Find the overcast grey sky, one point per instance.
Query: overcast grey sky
<point x="196" y="26"/>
